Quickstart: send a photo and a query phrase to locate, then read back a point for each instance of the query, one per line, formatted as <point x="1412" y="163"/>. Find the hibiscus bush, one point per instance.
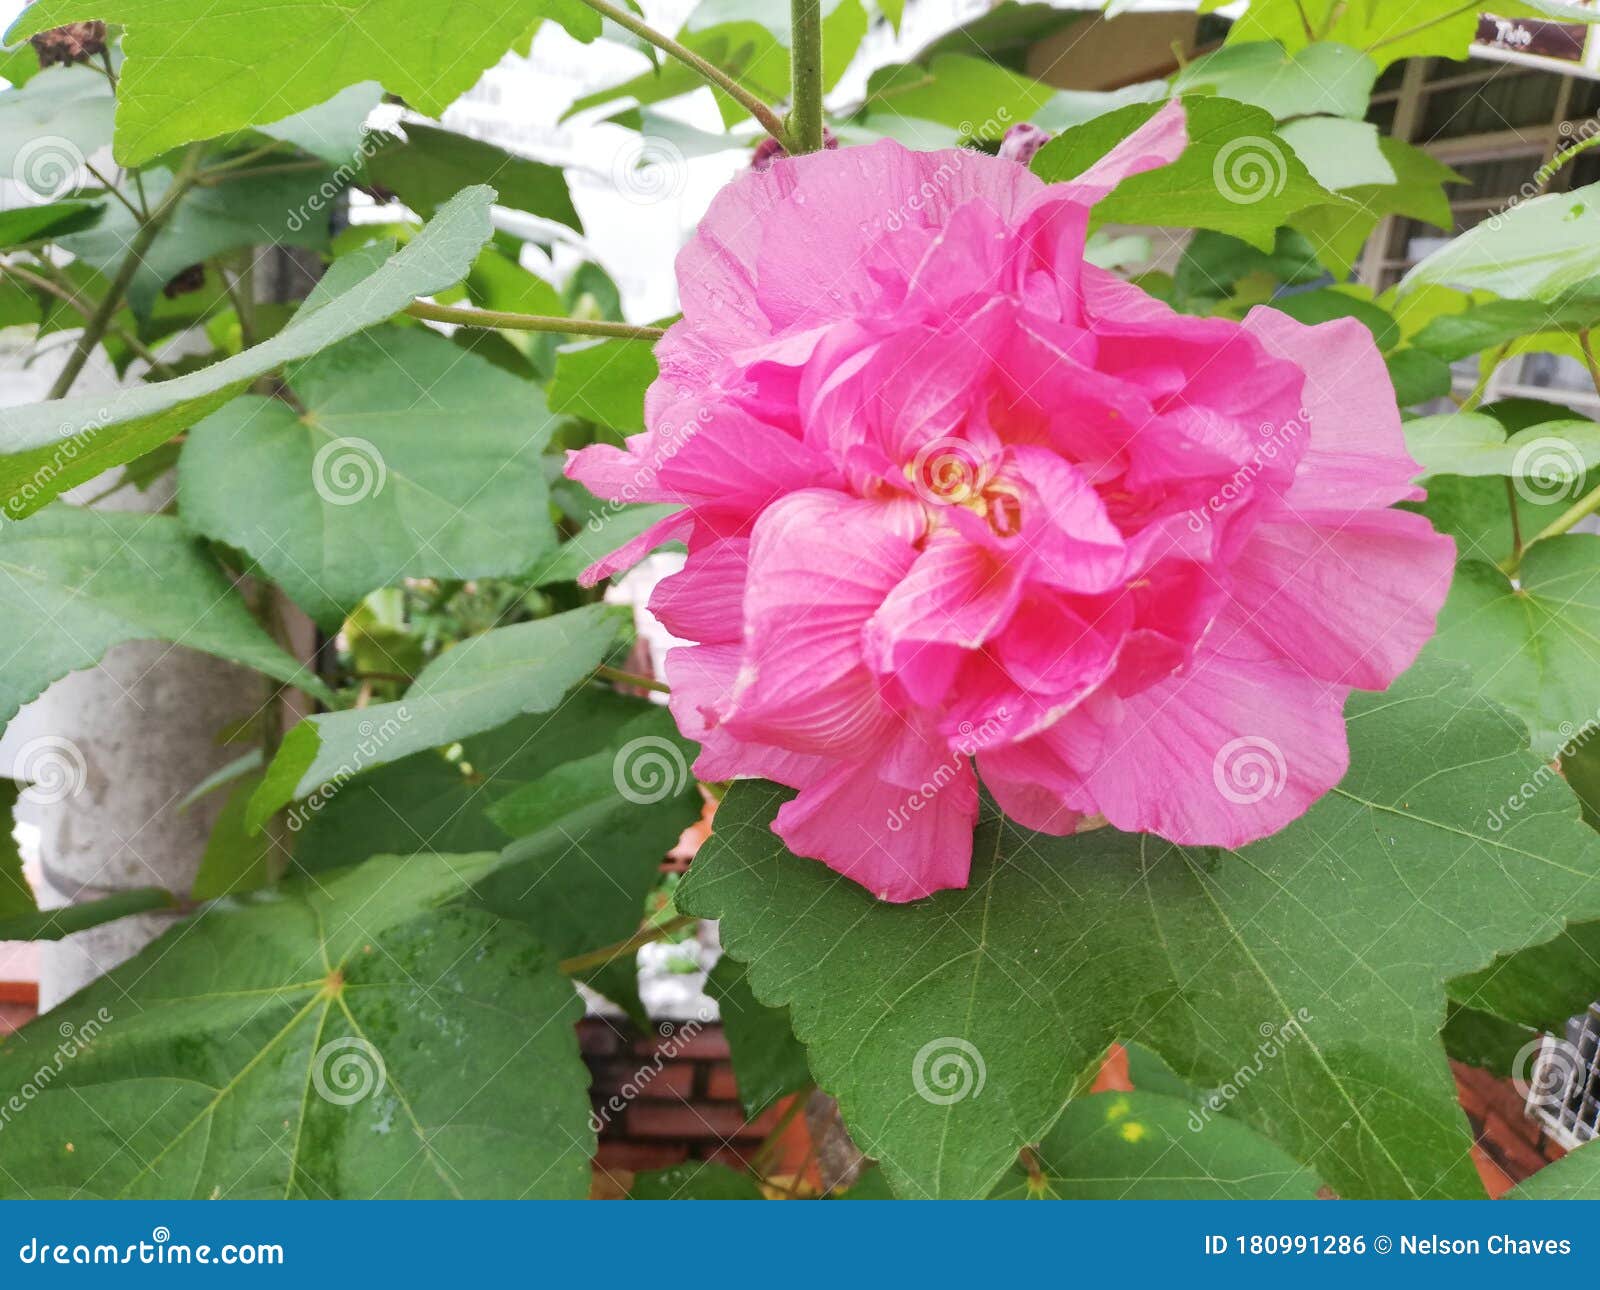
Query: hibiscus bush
<point x="1078" y="660"/>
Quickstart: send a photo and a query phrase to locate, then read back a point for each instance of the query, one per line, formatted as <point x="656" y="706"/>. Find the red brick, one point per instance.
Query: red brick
<point x="599" y="1038"/>
<point x="677" y="1120"/>
<point x="640" y="1155"/>
<point x="1517" y="1157"/>
<point x="1495" y="1181"/>
<point x="767" y="1121"/>
<point x="672" y="1083"/>
<point x="684" y="1043"/>
<point x="1472" y="1100"/>
<point x="720" y="1084"/>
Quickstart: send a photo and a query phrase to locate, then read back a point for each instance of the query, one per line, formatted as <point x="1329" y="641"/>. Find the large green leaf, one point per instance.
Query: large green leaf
<point x="1576" y="1176"/>
<point x="50" y="125"/>
<point x="981" y="99"/>
<point x="16" y="897"/>
<point x="1236" y="176"/>
<point x="36" y="223"/>
<point x="75" y="582"/>
<point x="1555" y="455"/>
<point x="430" y="165"/>
<point x="1545" y="249"/>
<point x="1331" y="940"/>
<point x="481" y="683"/>
<point x="1498" y="322"/>
<point x="1319" y="78"/>
<point x="1534" y="648"/>
<point x="605" y="381"/>
<point x="253" y="62"/>
<point x="409" y="459"/>
<point x="49" y="447"/>
<point x="768" y="1061"/>
<point x="354" y="1037"/>
<point x="1147" y="1146"/>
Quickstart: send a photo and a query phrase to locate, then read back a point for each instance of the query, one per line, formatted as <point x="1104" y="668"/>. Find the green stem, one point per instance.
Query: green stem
<point x="72" y="302"/>
<point x="221" y="175"/>
<point x="706" y="70"/>
<point x="610" y="953"/>
<point x="100" y="321"/>
<point x="1472" y="7"/>
<point x="530" y="322"/>
<point x="114" y="191"/>
<point x="805" y="54"/>
<point x="1555" y="165"/>
<point x="1581" y="509"/>
<point x="632" y="678"/>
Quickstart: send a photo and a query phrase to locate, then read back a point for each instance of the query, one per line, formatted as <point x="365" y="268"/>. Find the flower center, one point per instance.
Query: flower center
<point x="949" y="472"/>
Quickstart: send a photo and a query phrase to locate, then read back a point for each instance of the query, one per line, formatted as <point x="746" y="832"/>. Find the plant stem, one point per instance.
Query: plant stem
<point x="1471" y="7"/>
<point x="114" y="191"/>
<point x="708" y="71"/>
<point x="72" y="302"/>
<point x="1554" y="166"/>
<point x="530" y="322"/>
<point x="610" y="953"/>
<point x="218" y="175"/>
<point x="805" y="60"/>
<point x="1581" y="509"/>
<point x="95" y="329"/>
<point x="631" y="678"/>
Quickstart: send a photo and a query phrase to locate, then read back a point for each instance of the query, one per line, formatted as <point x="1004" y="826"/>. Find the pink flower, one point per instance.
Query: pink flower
<point x="1022" y="143"/>
<point x="951" y="495"/>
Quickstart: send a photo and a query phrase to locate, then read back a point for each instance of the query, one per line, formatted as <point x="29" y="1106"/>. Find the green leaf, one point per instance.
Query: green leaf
<point x="38" y="223"/>
<point x="77" y="582"/>
<point x="50" y="447"/>
<point x="1534" y="648"/>
<point x="355" y="1037"/>
<point x="1576" y="1176"/>
<point x="253" y="62"/>
<point x="1497" y="322"/>
<point x="603" y="533"/>
<point x="1344" y="926"/>
<point x="1545" y="249"/>
<point x="700" y="1180"/>
<point x="50" y="125"/>
<point x="430" y="165"/>
<point x="481" y="683"/>
<point x="1339" y="153"/>
<point x="16" y="897"/>
<point x="54" y="924"/>
<point x="1146" y="1146"/>
<point x="235" y="860"/>
<point x="410" y="459"/>
<point x="246" y="211"/>
<point x="1418" y="375"/>
<point x="1479" y="1039"/>
<point x="768" y="1061"/>
<point x="978" y="97"/>
<point x="1213" y="263"/>
<point x="1540" y="987"/>
<point x="1321" y="78"/>
<point x="1552" y="455"/>
<point x="335" y="131"/>
<point x="1328" y="303"/>
<point x="604" y="381"/>
<point x="1237" y="175"/>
